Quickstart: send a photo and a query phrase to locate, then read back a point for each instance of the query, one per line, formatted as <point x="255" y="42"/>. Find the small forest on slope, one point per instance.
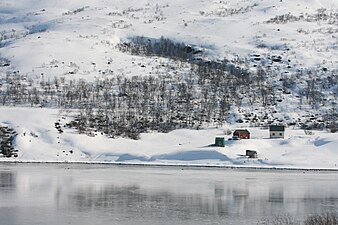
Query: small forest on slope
<point x="205" y="95"/>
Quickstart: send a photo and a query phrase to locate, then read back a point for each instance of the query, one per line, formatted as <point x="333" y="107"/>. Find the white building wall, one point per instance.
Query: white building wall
<point x="276" y="134"/>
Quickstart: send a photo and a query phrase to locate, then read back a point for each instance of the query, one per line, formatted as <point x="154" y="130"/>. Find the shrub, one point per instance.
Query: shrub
<point x="309" y="132"/>
<point x="334" y="130"/>
<point x="323" y="219"/>
<point x="280" y="220"/>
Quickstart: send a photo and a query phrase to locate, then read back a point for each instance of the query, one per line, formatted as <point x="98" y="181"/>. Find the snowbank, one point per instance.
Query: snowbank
<point x="39" y="141"/>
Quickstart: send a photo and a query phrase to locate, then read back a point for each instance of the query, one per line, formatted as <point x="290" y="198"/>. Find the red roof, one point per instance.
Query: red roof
<point x="242" y="131"/>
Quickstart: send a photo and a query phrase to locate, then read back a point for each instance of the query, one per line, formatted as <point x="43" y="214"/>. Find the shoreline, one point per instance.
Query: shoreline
<point x="177" y="165"/>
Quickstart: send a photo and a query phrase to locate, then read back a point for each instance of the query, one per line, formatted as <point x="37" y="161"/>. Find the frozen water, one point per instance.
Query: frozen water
<point x="100" y="194"/>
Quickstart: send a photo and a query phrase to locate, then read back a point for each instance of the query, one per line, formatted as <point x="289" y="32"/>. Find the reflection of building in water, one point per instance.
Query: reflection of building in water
<point x="219" y="190"/>
<point x="7" y="179"/>
<point x="240" y="197"/>
<point x="251" y="196"/>
<point x="220" y="200"/>
<point x="276" y="194"/>
<point x="122" y="196"/>
<point x="275" y="200"/>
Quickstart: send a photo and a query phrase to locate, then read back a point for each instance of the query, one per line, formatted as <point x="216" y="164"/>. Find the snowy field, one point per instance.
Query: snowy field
<point x="39" y="141"/>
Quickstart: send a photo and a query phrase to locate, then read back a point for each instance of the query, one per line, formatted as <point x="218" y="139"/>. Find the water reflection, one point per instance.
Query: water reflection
<point x="136" y="201"/>
<point x="276" y="194"/>
<point x="7" y="179"/>
<point x="94" y="198"/>
<point x="159" y="196"/>
<point x="227" y="201"/>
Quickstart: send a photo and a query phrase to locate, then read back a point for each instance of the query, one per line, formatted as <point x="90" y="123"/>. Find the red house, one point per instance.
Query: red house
<point x="242" y="134"/>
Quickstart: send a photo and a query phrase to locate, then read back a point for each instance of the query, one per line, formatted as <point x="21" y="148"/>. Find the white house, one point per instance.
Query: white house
<point x="277" y="131"/>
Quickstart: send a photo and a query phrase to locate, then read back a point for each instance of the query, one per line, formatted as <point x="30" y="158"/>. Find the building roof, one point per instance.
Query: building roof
<point x="243" y="131"/>
<point x="277" y="128"/>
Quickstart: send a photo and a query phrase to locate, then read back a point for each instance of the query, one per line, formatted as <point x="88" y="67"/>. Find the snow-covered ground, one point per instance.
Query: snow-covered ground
<point x="44" y="39"/>
<point x="76" y="39"/>
<point x="39" y="141"/>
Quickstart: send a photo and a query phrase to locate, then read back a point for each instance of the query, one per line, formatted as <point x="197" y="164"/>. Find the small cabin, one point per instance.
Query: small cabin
<point x="242" y="133"/>
<point x="251" y="154"/>
<point x="277" y="131"/>
<point x="219" y="141"/>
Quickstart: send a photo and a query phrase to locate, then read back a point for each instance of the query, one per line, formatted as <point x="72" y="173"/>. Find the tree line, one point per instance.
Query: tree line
<point x="128" y="106"/>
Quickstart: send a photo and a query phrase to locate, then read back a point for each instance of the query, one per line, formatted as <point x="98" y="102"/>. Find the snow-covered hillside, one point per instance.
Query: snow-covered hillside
<point x="39" y="140"/>
<point x="56" y="37"/>
<point x="134" y="67"/>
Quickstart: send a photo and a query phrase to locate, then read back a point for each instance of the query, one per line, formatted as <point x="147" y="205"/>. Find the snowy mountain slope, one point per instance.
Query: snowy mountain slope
<point x="287" y="49"/>
<point x="41" y="35"/>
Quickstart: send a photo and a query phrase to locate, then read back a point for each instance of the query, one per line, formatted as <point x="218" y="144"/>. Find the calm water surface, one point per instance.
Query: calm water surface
<point x="93" y="194"/>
